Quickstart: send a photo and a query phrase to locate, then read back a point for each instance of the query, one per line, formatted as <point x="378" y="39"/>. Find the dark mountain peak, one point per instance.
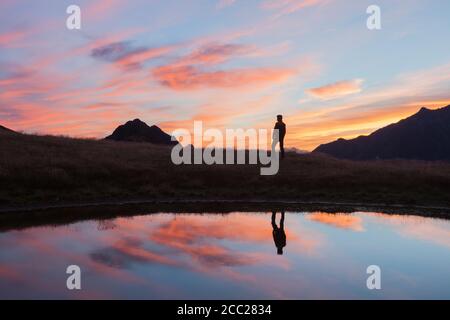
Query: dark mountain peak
<point x="429" y="114"/>
<point x="422" y="136"/>
<point x="424" y="110"/>
<point x="138" y="131"/>
<point x="5" y="129"/>
<point x="137" y="121"/>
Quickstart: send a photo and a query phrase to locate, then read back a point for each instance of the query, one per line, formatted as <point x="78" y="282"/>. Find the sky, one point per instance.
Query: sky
<point x="229" y="63"/>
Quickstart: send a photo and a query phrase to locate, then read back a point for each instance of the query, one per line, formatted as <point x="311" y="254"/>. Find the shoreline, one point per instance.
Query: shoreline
<point x="66" y="214"/>
<point x="231" y="203"/>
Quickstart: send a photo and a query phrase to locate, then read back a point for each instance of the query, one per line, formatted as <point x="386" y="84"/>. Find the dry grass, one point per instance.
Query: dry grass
<point x="46" y="169"/>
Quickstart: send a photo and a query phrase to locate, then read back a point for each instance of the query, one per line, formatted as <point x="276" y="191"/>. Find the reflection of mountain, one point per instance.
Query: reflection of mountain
<point x="139" y="131"/>
<point x="423" y="136"/>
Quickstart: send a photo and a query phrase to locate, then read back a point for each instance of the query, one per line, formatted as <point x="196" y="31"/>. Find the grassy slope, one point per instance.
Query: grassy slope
<point x="44" y="169"/>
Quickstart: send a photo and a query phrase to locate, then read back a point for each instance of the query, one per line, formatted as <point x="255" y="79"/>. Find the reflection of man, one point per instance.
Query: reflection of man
<point x="279" y="236"/>
<point x="281" y="127"/>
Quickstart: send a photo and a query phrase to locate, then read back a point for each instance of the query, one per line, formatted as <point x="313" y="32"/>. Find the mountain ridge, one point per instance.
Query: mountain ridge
<point x="5" y="129"/>
<point x="423" y="136"/>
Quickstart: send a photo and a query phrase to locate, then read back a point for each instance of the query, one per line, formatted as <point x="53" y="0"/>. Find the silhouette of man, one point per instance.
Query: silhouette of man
<point x="281" y="127"/>
<point x="279" y="236"/>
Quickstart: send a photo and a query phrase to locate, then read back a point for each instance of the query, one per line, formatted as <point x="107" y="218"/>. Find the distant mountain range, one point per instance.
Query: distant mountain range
<point x="139" y="131"/>
<point x="423" y="136"/>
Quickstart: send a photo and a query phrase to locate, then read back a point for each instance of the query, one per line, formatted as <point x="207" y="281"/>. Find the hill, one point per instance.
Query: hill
<point x="57" y="170"/>
<point x="423" y="136"/>
<point x="6" y="130"/>
<point x="139" y="131"/>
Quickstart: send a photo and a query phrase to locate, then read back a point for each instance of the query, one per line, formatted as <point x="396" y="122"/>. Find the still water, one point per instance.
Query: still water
<point x="231" y="256"/>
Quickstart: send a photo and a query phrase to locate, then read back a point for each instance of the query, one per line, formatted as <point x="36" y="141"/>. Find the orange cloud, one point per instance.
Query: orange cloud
<point x="135" y="59"/>
<point x="373" y="109"/>
<point x="337" y="89"/>
<point x="191" y="77"/>
<point x="215" y="53"/>
<point x="310" y="130"/>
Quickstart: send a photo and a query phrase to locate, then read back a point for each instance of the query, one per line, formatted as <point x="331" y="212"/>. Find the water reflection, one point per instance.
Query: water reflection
<point x="230" y="256"/>
<point x="343" y="221"/>
<point x="279" y="236"/>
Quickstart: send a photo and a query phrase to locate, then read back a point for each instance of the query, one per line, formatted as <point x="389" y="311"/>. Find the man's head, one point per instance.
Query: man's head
<point x="279" y="117"/>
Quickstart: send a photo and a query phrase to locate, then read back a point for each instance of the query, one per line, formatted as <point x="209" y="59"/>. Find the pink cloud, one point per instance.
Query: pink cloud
<point x="127" y="56"/>
<point x="285" y="7"/>
<point x="18" y="38"/>
<point x="225" y="3"/>
<point x="337" y="89"/>
<point x="216" y="53"/>
<point x="102" y="8"/>
<point x="191" y="77"/>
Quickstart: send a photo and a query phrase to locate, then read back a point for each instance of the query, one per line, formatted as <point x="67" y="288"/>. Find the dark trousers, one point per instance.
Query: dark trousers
<point x="282" y="148"/>
<point x="281" y="142"/>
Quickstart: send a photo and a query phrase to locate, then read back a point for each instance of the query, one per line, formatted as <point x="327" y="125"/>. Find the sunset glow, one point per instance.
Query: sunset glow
<point x="229" y="63"/>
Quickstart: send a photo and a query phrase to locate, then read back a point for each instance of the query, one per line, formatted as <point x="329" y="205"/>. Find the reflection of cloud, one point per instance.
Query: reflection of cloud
<point x="337" y="89"/>
<point x="436" y="231"/>
<point x="37" y="244"/>
<point x="343" y="221"/>
<point x="429" y="232"/>
<point x="9" y="273"/>
<point x="111" y="258"/>
<point x="213" y="246"/>
<point x="190" y="236"/>
<point x="133" y="250"/>
<point x="123" y="252"/>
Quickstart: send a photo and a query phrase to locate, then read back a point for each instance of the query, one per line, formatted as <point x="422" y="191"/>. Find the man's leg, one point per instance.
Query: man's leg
<point x="274" y="145"/>
<point x="274" y="223"/>
<point x="282" y="148"/>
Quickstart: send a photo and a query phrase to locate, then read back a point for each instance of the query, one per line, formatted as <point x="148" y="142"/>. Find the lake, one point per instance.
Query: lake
<point x="237" y="255"/>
